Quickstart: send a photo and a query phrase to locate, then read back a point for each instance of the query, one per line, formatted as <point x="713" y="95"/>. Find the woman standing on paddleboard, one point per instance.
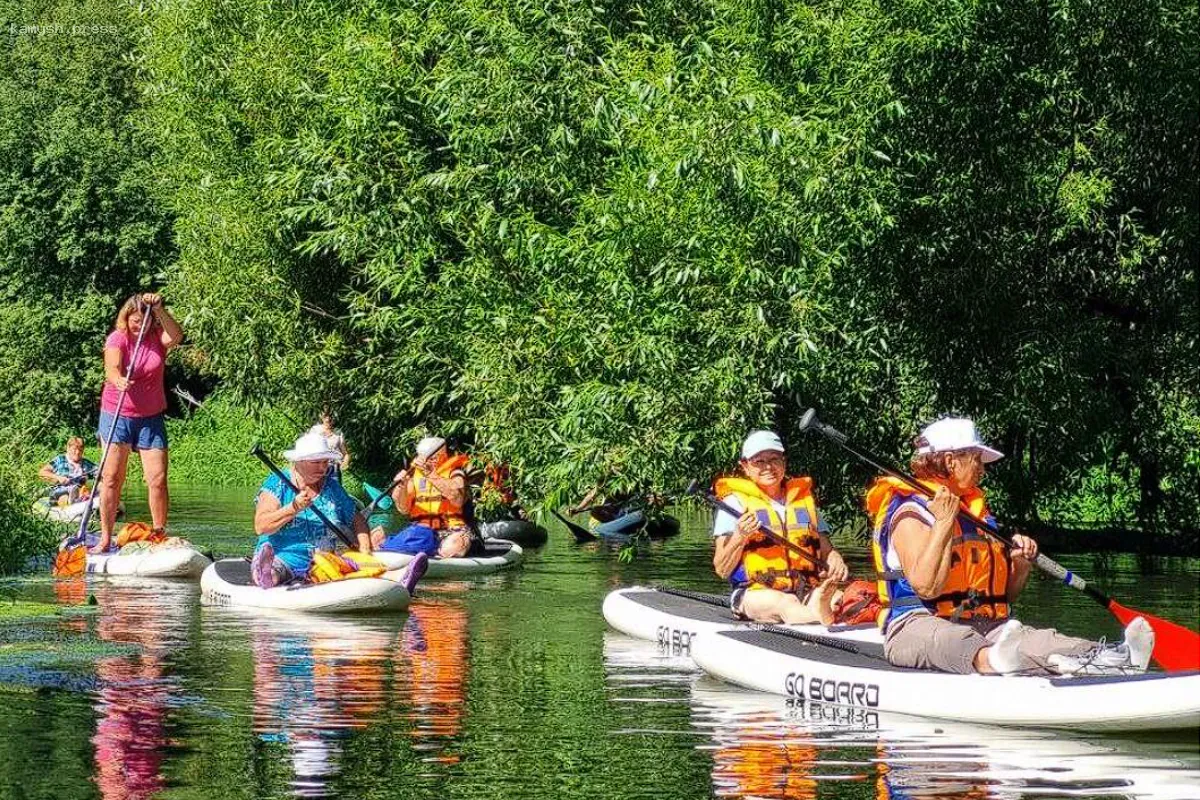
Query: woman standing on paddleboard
<point x="141" y="427"/>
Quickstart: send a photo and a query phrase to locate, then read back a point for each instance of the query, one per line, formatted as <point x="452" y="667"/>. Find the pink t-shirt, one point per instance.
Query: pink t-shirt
<point x="148" y="395"/>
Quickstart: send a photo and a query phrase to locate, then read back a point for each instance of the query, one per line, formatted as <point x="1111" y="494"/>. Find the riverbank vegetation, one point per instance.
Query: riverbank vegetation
<point x="601" y="241"/>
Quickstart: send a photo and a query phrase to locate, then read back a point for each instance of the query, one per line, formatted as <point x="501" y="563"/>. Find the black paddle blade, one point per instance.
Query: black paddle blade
<point x="692" y="489"/>
<point x="808" y="420"/>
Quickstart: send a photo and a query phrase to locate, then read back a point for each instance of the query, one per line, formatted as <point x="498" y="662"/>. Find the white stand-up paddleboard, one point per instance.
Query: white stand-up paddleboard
<point x="228" y="583"/>
<point x="496" y="554"/>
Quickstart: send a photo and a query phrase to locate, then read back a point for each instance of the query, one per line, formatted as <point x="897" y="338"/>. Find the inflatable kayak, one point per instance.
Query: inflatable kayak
<point x="522" y="531"/>
<point x="152" y="562"/>
<point x="67" y="513"/>
<point x="621" y="528"/>
<point x="228" y="583"/>
<point x="659" y="527"/>
<point x="494" y="555"/>
<point x="856" y="675"/>
<point x="674" y="618"/>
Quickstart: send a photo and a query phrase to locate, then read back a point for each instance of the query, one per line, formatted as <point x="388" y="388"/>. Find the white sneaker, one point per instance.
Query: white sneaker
<point x="1139" y="641"/>
<point x="1131" y="655"/>
<point x="1103" y="659"/>
<point x="1071" y="666"/>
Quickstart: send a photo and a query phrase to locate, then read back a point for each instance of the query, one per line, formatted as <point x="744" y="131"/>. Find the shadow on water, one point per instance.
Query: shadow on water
<point x="507" y="686"/>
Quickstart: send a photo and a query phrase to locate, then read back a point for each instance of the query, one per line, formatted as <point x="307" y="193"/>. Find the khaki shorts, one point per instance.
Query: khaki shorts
<point x="928" y="642"/>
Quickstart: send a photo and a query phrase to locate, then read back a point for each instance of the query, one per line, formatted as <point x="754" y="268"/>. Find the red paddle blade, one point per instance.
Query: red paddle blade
<point x="1176" y="649"/>
<point x="70" y="562"/>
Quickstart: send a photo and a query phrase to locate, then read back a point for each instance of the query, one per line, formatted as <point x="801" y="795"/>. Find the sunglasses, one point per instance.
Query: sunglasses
<point x="764" y="463"/>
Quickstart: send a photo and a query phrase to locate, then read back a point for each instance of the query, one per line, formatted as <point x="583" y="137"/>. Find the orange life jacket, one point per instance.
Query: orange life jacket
<point x="858" y="604"/>
<point x="426" y="505"/>
<point x="497" y="480"/>
<point x="977" y="583"/>
<point x="138" y="532"/>
<point x="766" y="564"/>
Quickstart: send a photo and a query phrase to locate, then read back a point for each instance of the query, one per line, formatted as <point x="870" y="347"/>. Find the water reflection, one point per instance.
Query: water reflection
<point x="435" y="653"/>
<point x="136" y="691"/>
<point x="315" y="679"/>
<point x="772" y="747"/>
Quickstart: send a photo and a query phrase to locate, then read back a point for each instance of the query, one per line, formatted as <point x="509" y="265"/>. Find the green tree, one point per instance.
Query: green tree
<point x="79" y="229"/>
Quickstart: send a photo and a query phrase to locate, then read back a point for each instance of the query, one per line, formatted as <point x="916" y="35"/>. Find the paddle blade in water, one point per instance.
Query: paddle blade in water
<point x="1176" y="649"/>
<point x="70" y="562"/>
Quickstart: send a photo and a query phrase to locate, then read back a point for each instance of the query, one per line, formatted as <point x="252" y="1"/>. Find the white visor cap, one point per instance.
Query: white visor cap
<point x="430" y="445"/>
<point x="760" y="442"/>
<point x="955" y="433"/>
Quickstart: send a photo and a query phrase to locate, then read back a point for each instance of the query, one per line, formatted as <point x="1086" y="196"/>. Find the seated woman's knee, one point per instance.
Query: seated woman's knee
<point x="455" y="545"/>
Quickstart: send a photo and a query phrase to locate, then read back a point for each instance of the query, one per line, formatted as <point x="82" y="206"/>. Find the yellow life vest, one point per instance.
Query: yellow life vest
<point x="766" y="564"/>
<point x="977" y="583"/>
<point x="327" y="567"/>
<point x="426" y="506"/>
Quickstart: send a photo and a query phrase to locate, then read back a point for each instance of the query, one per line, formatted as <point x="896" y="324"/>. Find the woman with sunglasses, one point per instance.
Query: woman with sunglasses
<point x="771" y="582"/>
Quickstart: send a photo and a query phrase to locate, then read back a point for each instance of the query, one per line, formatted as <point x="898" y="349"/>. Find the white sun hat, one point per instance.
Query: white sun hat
<point x="955" y="433"/>
<point x="312" y="447"/>
<point x="430" y="445"/>
<point x="760" y="442"/>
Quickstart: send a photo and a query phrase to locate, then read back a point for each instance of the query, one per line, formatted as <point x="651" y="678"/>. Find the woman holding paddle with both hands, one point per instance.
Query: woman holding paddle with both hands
<point x="773" y="582"/>
<point x="132" y="407"/>
<point x="947" y="586"/>
<point x="297" y="515"/>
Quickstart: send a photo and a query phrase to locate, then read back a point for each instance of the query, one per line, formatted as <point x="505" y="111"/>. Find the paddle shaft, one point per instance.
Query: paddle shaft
<point x="386" y="493"/>
<point x="147" y="324"/>
<point x="721" y="505"/>
<point x="1043" y="562"/>
<point x="258" y="453"/>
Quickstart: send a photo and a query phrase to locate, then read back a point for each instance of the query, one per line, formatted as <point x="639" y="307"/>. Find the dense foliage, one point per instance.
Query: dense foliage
<point x="600" y="241"/>
<point x="79" y="230"/>
<point x="22" y="535"/>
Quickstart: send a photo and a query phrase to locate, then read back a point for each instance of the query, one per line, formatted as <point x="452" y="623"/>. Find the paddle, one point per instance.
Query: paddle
<point x="261" y="455"/>
<point x="380" y="498"/>
<point x="721" y="505"/>
<point x="1176" y="648"/>
<point x="582" y="535"/>
<point x="71" y="560"/>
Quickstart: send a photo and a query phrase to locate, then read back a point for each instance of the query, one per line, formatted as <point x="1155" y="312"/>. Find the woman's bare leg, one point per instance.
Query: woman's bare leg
<point x="111" y="483"/>
<point x="154" y="468"/>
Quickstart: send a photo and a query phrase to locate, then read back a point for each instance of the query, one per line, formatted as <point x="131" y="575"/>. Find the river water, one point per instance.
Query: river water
<point x="511" y="686"/>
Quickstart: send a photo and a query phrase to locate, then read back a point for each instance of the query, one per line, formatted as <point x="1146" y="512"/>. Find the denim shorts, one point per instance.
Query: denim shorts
<point x="140" y="433"/>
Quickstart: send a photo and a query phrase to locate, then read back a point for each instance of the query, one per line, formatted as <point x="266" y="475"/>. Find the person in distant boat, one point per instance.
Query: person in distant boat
<point x="290" y="533"/>
<point x="947" y="587"/>
<point x="141" y="427"/>
<point x="68" y="471"/>
<point x="432" y="493"/>
<point x="618" y="513"/>
<point x="336" y="442"/>
<point x="773" y="583"/>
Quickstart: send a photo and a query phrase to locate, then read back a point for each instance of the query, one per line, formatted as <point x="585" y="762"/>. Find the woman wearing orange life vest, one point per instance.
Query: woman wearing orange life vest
<point x="771" y="582"/>
<point x="432" y="493"/>
<point x="947" y="587"/>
